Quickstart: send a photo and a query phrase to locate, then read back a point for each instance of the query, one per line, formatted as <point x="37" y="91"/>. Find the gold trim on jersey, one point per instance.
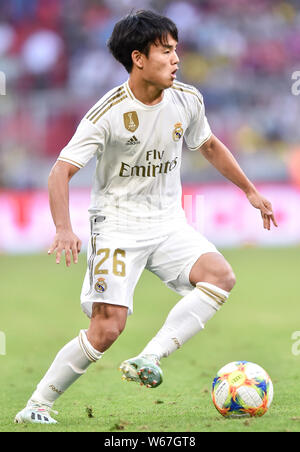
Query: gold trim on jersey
<point x="108" y="102"/>
<point x="64" y="159"/>
<point x="201" y="144"/>
<point x="185" y="86"/>
<point x="99" y="107"/>
<point x="128" y="91"/>
<point x="183" y="89"/>
<point x="108" y="108"/>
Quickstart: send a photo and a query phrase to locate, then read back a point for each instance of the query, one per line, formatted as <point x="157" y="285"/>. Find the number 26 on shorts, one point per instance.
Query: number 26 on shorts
<point x="118" y="265"/>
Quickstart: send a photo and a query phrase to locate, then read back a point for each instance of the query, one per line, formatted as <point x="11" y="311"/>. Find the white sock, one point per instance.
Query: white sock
<point x="187" y="318"/>
<point x="69" y="364"/>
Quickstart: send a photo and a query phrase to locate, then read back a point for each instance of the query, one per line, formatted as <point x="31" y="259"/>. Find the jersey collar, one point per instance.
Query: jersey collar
<point x="146" y="107"/>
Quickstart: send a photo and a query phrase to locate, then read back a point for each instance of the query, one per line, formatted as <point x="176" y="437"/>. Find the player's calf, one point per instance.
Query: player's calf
<point x="187" y="318"/>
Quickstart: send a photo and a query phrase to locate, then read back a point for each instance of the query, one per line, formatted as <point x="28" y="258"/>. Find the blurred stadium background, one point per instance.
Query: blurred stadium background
<point x="240" y="54"/>
<point x="243" y="55"/>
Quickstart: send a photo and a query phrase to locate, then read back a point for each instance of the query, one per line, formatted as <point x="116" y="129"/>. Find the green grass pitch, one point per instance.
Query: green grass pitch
<point x="40" y="312"/>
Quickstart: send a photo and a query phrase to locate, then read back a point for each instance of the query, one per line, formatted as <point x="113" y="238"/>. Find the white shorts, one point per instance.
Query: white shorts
<point x="116" y="262"/>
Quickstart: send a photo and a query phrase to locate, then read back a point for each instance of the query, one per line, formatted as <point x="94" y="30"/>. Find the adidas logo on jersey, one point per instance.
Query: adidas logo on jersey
<point x="133" y="140"/>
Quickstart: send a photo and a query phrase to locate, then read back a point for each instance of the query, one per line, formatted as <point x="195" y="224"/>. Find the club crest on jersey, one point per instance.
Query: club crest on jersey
<point x="100" y="285"/>
<point x="178" y="131"/>
<point x="131" y="121"/>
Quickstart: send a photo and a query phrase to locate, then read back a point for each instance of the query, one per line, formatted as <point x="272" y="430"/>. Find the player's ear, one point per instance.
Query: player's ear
<point x="137" y="58"/>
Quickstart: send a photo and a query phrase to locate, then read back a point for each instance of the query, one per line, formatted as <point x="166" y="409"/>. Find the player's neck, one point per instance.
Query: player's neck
<point x="145" y="92"/>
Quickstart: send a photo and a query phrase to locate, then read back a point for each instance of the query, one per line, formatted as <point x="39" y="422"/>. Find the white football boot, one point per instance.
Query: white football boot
<point x="36" y="413"/>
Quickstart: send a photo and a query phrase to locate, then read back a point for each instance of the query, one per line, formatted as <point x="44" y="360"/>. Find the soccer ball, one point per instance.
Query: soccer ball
<point x="242" y="389"/>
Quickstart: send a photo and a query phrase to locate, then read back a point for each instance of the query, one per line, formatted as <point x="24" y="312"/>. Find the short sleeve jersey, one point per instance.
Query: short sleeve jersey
<point x="138" y="149"/>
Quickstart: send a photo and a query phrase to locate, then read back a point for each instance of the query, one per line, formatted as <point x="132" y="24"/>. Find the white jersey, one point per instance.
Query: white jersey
<point x="137" y="184"/>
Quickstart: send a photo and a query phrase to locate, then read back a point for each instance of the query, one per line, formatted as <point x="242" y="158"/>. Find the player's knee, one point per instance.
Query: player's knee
<point x="220" y="275"/>
<point x="111" y="328"/>
<point x="228" y="281"/>
<point x="107" y="323"/>
<point x="103" y="334"/>
<point x="223" y="277"/>
<point x="111" y="332"/>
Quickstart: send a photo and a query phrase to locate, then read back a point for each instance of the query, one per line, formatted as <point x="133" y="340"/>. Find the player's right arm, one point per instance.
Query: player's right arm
<point x="58" y="185"/>
<point x="88" y="140"/>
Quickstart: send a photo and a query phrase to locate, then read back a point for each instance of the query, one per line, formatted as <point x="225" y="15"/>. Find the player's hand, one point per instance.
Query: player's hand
<point x="265" y="207"/>
<point x="68" y="242"/>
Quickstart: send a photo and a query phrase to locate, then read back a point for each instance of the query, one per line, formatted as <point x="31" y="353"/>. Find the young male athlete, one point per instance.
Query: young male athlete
<point x="136" y="132"/>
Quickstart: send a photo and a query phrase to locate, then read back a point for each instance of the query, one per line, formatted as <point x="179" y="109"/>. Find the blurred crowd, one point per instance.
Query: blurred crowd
<point x="240" y="54"/>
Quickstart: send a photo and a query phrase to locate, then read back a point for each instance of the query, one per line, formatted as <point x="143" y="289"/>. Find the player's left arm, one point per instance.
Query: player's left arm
<point x="223" y="160"/>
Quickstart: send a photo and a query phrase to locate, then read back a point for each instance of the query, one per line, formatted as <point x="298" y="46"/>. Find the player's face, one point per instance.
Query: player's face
<point x="161" y="64"/>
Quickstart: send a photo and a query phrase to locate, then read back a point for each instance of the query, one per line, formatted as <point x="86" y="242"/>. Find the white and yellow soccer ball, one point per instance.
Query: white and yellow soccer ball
<point x="242" y="389"/>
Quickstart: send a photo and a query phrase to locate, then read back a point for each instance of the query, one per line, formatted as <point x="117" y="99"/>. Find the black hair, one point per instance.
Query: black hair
<point x="137" y="31"/>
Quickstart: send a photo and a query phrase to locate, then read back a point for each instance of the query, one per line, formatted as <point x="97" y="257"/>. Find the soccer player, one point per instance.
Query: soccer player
<point x="136" y="131"/>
